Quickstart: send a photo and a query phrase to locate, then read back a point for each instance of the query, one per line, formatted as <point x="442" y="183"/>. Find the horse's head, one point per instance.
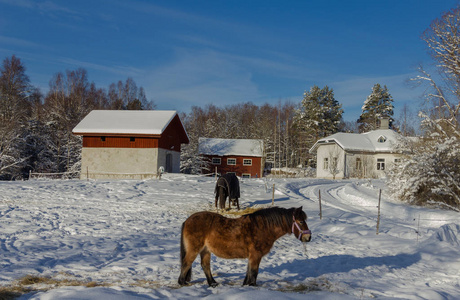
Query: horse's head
<point x="299" y="225"/>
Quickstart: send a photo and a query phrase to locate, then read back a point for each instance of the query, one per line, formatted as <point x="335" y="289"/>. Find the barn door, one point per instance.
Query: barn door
<point x="169" y="162"/>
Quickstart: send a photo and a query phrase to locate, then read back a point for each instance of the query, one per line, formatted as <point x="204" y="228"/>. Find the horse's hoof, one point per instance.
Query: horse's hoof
<point x="213" y="285"/>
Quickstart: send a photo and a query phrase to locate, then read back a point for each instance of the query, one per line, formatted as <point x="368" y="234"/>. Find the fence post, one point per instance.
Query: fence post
<point x="378" y="212"/>
<point x="273" y="195"/>
<point x="320" y="208"/>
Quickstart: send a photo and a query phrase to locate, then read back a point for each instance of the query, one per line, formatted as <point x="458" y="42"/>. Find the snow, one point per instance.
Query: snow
<point x="226" y="147"/>
<point x="125" y="234"/>
<point x="125" y="122"/>
<point x="368" y="141"/>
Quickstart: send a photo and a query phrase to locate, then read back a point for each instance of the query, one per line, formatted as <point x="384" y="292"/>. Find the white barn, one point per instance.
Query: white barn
<point x="365" y="155"/>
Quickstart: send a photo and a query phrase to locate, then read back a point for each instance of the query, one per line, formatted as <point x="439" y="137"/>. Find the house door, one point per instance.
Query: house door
<point x="169" y="162"/>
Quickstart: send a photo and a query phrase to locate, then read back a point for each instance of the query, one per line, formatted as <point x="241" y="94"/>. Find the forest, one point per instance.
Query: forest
<point x="36" y="129"/>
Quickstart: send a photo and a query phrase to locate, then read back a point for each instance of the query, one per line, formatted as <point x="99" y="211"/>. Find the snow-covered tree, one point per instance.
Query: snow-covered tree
<point x="15" y="109"/>
<point x="377" y="105"/>
<point x="430" y="174"/>
<point x="319" y="115"/>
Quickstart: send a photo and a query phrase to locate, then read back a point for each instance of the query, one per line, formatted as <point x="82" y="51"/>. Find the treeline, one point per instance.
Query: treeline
<point x="36" y="129"/>
<point x="288" y="129"/>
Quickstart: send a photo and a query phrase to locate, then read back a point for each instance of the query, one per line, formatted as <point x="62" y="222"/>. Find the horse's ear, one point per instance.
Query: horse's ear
<point x="297" y="210"/>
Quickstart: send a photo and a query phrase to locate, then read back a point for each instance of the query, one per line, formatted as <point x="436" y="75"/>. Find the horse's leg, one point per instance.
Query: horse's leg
<point x="222" y="197"/>
<point x="253" y="270"/>
<point x="217" y="198"/>
<point x="237" y="203"/>
<point x="206" y="265"/>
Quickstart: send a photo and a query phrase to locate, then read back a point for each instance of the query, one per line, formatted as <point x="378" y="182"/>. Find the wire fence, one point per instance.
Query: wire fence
<point x="61" y="175"/>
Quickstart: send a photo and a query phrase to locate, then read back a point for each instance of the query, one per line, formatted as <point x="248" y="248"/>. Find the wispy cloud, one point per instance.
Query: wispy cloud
<point x="201" y="78"/>
<point x="126" y="71"/>
<point x="15" y="42"/>
<point x="41" y="6"/>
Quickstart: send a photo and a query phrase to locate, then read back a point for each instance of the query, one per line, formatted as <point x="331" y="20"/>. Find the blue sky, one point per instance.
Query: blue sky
<point x="187" y="53"/>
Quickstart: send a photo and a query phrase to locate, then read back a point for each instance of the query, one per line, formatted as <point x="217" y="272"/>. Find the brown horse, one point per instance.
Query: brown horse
<point x="250" y="236"/>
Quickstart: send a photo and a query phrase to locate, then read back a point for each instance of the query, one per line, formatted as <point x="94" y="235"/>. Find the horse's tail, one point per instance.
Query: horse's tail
<point x="183" y="278"/>
<point x="182" y="247"/>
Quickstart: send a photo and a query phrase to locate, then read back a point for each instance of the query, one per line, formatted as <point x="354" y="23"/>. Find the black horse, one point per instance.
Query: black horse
<point x="227" y="186"/>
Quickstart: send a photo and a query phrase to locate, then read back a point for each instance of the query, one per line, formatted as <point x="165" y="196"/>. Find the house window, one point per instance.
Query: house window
<point x="397" y="160"/>
<point x="231" y="161"/>
<point x="326" y="163"/>
<point x="247" y="162"/>
<point x="381" y="164"/>
<point x="231" y="173"/>
<point x="102" y="138"/>
<point x="359" y="164"/>
<point x="216" y="160"/>
<point x="246" y="175"/>
<point x="382" y="139"/>
<point x="132" y="139"/>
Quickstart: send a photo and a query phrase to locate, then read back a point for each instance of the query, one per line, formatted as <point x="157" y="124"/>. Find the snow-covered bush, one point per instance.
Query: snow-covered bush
<point x="429" y="175"/>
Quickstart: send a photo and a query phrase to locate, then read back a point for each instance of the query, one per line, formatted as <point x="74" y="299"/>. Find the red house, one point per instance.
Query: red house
<point x="244" y="157"/>
<point x="129" y="143"/>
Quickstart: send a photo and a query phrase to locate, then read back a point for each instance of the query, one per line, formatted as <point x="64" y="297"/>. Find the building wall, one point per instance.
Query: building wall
<point x="330" y="151"/>
<point x="175" y="156"/>
<point x="119" y="142"/>
<point x="255" y="170"/>
<point x="125" y="163"/>
<point x="347" y="163"/>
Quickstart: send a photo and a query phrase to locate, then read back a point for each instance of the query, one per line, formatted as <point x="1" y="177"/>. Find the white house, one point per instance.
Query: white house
<point x="364" y="155"/>
<point x="129" y="143"/>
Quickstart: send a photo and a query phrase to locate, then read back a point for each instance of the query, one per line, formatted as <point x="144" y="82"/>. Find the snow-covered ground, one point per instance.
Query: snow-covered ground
<point x="125" y="234"/>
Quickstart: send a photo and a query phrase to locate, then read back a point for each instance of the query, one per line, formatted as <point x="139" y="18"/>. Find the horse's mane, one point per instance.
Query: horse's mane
<point x="272" y="217"/>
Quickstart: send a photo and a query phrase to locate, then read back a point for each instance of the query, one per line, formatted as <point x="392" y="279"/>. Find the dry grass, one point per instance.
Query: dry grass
<point x="316" y="285"/>
<point x="238" y="213"/>
<point x="30" y="283"/>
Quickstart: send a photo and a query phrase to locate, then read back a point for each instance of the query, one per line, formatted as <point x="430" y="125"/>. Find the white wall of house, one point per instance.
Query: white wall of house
<point x="326" y="155"/>
<point x="125" y="163"/>
<point x="371" y="165"/>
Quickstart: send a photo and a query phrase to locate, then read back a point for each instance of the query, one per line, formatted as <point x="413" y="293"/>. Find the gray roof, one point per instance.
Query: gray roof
<point x="228" y="147"/>
<point x="382" y="140"/>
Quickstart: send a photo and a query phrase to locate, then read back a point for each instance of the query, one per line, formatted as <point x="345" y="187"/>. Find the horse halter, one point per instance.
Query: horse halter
<point x="301" y="232"/>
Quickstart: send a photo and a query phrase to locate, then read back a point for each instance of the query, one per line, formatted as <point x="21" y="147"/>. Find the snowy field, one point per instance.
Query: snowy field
<point x="123" y="236"/>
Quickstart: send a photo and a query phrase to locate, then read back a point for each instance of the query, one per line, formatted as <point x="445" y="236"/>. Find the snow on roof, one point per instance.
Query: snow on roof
<point x="382" y="140"/>
<point x="125" y="122"/>
<point x="226" y="147"/>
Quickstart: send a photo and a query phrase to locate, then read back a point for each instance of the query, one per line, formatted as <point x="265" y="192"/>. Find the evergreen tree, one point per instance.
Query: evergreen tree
<point x="378" y="104"/>
<point x="319" y="115"/>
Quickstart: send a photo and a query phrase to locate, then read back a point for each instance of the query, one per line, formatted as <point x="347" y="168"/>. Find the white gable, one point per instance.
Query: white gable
<point x="125" y="122"/>
<point x="227" y="147"/>
<point x="382" y="140"/>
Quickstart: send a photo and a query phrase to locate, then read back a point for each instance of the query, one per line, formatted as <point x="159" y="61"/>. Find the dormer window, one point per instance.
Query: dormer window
<point x="382" y="139"/>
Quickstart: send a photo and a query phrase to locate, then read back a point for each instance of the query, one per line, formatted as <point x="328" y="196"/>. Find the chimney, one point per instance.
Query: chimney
<point x="384" y="123"/>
